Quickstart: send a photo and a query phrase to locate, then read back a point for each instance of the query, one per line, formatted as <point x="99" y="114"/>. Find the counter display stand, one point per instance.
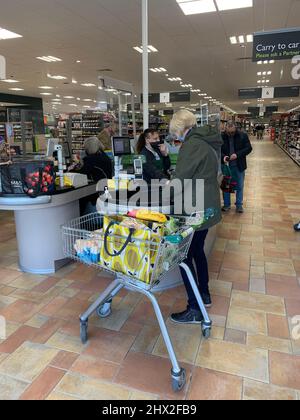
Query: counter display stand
<point x="38" y="226"/>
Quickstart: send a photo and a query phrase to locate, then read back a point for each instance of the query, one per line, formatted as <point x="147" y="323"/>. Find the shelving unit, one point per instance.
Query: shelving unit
<point x="77" y="128"/>
<point x="161" y="124"/>
<point x="2" y="131"/>
<point x="17" y="127"/>
<point x="288" y="135"/>
<point x="138" y="122"/>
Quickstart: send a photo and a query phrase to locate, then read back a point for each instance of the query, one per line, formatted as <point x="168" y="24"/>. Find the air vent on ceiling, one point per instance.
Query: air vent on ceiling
<point x="105" y="70"/>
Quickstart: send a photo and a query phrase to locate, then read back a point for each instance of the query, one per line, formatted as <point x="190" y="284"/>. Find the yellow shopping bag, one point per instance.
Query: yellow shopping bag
<point x="128" y="250"/>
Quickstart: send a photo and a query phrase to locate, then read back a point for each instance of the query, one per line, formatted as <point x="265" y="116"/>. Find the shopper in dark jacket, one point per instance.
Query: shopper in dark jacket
<point x="158" y="162"/>
<point x="198" y="160"/>
<point x="97" y="166"/>
<point x="235" y="150"/>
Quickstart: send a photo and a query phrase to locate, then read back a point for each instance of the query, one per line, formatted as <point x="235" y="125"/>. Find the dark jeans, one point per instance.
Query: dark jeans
<point x="196" y="255"/>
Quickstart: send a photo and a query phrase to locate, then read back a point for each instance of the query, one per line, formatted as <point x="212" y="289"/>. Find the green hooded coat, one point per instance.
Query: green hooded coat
<point x="199" y="158"/>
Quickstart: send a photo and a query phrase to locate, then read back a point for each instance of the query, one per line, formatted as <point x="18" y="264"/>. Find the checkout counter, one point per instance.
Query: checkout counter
<point x="39" y="220"/>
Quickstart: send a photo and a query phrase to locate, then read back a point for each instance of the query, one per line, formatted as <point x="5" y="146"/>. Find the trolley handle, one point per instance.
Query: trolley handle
<point x="128" y="240"/>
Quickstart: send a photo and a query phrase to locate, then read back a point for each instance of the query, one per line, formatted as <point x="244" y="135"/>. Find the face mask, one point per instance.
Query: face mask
<point x="155" y="145"/>
<point x="181" y="138"/>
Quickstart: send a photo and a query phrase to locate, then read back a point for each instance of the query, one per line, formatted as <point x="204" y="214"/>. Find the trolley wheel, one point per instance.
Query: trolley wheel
<point x="179" y="381"/>
<point x="104" y="311"/>
<point x="206" y="332"/>
<point x="84" y="332"/>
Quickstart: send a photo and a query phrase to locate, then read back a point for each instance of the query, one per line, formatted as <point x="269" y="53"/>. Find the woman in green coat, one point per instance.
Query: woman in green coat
<point x="199" y="159"/>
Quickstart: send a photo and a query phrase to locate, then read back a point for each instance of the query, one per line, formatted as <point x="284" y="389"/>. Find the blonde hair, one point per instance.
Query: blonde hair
<point x="183" y="120"/>
<point x="93" y="146"/>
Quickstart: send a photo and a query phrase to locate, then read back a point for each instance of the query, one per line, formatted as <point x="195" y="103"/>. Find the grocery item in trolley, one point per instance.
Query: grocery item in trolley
<point x="88" y="250"/>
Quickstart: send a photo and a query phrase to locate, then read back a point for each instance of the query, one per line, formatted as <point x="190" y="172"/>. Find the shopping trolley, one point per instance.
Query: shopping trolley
<point x="170" y="252"/>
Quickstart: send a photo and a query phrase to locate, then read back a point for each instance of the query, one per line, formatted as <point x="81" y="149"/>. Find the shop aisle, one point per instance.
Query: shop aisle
<point x="255" y="275"/>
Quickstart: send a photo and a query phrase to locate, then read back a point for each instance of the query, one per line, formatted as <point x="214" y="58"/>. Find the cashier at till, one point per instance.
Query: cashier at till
<point x="158" y="163"/>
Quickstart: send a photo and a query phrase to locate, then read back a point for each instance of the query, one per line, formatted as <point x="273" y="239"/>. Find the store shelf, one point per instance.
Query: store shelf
<point x="287" y="152"/>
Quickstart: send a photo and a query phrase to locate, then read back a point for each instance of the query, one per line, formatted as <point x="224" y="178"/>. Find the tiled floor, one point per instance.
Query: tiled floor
<point x="255" y="280"/>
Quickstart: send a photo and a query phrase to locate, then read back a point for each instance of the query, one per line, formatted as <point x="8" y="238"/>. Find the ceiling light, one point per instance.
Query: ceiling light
<point x="259" y="62"/>
<point x="58" y="96"/>
<point x="271" y="61"/>
<point x="68" y="97"/>
<point x="86" y="106"/>
<point x="88" y="84"/>
<point x="45" y="87"/>
<point x="249" y="38"/>
<point x="242" y="39"/>
<point x="5" y="34"/>
<point x="158" y="70"/>
<point x="259" y="73"/>
<point x="269" y="73"/>
<point x="197" y="7"/>
<point x="10" y="81"/>
<point x="151" y="49"/>
<point x="138" y="49"/>
<point x="74" y="82"/>
<point x="55" y="100"/>
<point x="16" y="89"/>
<point x="46" y="94"/>
<point x="78" y="61"/>
<point x="56" y="77"/>
<point x="233" y="40"/>
<point x="49" y="58"/>
<point x="73" y="105"/>
<point x="233" y="4"/>
<point x="87" y="100"/>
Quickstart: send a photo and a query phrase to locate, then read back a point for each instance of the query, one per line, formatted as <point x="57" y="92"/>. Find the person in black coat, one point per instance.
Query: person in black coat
<point x="236" y="148"/>
<point x="97" y="166"/>
<point x="158" y="162"/>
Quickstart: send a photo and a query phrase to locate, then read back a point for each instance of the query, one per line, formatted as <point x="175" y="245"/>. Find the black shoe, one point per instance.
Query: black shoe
<point x="226" y="209"/>
<point x="190" y="316"/>
<point x="297" y="227"/>
<point x="206" y="299"/>
<point x="240" y="210"/>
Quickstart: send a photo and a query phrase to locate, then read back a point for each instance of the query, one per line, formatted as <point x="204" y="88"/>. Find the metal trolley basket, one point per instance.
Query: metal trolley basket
<point x="169" y="252"/>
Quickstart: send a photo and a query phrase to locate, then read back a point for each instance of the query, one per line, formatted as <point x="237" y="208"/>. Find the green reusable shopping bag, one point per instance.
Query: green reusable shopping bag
<point x="230" y="180"/>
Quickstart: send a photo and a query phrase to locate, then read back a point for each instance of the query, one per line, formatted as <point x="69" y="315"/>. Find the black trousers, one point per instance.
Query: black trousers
<point x="197" y="256"/>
